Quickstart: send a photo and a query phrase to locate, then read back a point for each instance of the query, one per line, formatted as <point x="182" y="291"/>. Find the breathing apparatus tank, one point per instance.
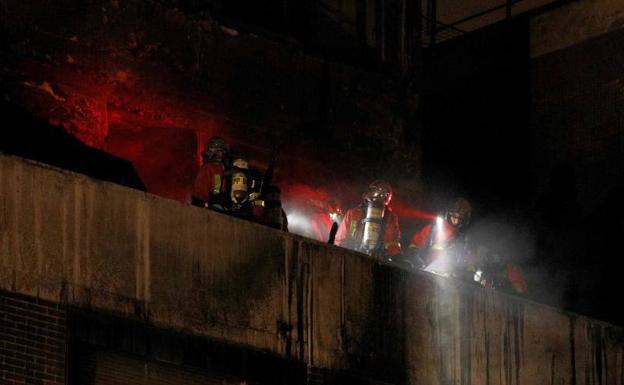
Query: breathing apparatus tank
<point x="373" y="223"/>
<point x="376" y="199"/>
<point x="240" y="188"/>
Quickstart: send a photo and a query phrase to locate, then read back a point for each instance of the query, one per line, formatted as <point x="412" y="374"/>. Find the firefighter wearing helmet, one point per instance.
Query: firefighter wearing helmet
<point x="209" y="189"/>
<point x="442" y="248"/>
<point x="241" y="184"/>
<point x="439" y="247"/>
<point x="372" y="228"/>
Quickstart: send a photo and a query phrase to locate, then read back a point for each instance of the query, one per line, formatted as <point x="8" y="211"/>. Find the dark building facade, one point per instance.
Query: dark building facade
<point x="101" y="284"/>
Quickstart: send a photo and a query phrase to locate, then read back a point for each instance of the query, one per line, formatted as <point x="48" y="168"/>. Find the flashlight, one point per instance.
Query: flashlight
<point x="477" y="275"/>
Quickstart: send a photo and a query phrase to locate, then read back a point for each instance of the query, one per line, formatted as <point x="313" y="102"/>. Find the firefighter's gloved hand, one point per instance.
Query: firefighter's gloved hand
<point x="218" y="207"/>
<point x="195" y="201"/>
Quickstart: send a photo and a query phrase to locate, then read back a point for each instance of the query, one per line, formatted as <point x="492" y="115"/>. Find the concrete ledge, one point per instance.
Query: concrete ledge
<point x="67" y="238"/>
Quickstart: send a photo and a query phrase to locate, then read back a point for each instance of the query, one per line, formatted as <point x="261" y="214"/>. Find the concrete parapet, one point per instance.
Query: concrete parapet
<point x="71" y="239"/>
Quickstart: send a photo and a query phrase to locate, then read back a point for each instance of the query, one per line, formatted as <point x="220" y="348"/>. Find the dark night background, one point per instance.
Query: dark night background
<point x="128" y="92"/>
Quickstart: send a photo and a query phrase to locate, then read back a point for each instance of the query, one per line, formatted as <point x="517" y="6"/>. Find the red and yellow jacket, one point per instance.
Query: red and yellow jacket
<point x="209" y="182"/>
<point x="431" y="241"/>
<point x="351" y="231"/>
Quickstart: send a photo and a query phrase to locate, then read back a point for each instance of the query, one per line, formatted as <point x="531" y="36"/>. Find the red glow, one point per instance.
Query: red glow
<point x="120" y="109"/>
<point x="310" y="196"/>
<point x="409" y="212"/>
<point x="308" y="210"/>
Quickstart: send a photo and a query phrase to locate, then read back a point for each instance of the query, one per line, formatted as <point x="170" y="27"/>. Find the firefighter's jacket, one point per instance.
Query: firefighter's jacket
<point x="516" y="279"/>
<point x="210" y="186"/>
<point x="351" y="231"/>
<point x="433" y="239"/>
<point x="434" y="242"/>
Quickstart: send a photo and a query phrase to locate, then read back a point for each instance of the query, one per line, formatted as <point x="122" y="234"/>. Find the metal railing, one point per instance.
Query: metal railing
<point x="435" y="31"/>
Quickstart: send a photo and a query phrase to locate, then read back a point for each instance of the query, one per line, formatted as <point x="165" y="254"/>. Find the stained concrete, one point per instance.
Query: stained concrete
<point x="137" y="78"/>
<point x="68" y="238"/>
<point x="574" y="23"/>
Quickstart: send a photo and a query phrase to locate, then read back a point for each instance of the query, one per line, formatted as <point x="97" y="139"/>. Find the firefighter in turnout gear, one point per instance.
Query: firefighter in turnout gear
<point x="209" y="188"/>
<point x="372" y="227"/>
<point x="273" y="214"/>
<point x="493" y="270"/>
<point x="443" y="248"/>
<point x="440" y="247"/>
<point x="241" y="184"/>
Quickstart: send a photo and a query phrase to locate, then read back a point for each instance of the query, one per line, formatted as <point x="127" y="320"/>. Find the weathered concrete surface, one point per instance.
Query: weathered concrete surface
<point x="138" y="77"/>
<point x="448" y="11"/>
<point x="574" y="23"/>
<point x="65" y="237"/>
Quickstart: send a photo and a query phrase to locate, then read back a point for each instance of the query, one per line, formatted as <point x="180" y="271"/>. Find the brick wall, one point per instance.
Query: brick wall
<point x="32" y="340"/>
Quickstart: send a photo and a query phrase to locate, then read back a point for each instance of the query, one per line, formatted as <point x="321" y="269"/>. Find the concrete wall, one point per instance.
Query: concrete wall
<point x="577" y="74"/>
<point x="149" y="83"/>
<point x="574" y="23"/>
<point x="67" y="238"/>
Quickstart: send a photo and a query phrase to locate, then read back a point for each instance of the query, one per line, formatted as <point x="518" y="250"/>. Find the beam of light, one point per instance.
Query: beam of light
<point x="315" y="225"/>
<point x="335" y="217"/>
<point x="297" y="222"/>
<point x="439" y="266"/>
<point x="311" y="211"/>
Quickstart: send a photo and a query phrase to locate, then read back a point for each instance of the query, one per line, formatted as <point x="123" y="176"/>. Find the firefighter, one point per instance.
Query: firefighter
<point x="209" y="188"/>
<point x="494" y="271"/>
<point x="372" y="227"/>
<point x="272" y="214"/>
<point x="241" y="184"/>
<point x="441" y="246"/>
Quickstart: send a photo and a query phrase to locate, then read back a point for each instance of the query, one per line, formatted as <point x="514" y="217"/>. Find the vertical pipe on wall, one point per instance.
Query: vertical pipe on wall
<point x="403" y="39"/>
<point x="433" y="19"/>
<point x="360" y="20"/>
<point x="380" y="28"/>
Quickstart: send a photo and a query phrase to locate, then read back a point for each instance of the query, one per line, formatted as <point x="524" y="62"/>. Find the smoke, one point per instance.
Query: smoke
<point x="308" y="209"/>
<point x="510" y="237"/>
<point x="406" y="211"/>
<point x="505" y="236"/>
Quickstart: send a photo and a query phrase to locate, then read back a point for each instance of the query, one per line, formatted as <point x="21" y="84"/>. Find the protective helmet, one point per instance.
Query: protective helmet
<point x="241" y="164"/>
<point x="458" y="212"/>
<point x="334" y="211"/>
<point x="379" y="191"/>
<point x="215" y="149"/>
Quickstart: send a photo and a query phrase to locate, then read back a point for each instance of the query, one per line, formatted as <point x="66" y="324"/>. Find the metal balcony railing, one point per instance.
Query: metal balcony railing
<point x="434" y="30"/>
